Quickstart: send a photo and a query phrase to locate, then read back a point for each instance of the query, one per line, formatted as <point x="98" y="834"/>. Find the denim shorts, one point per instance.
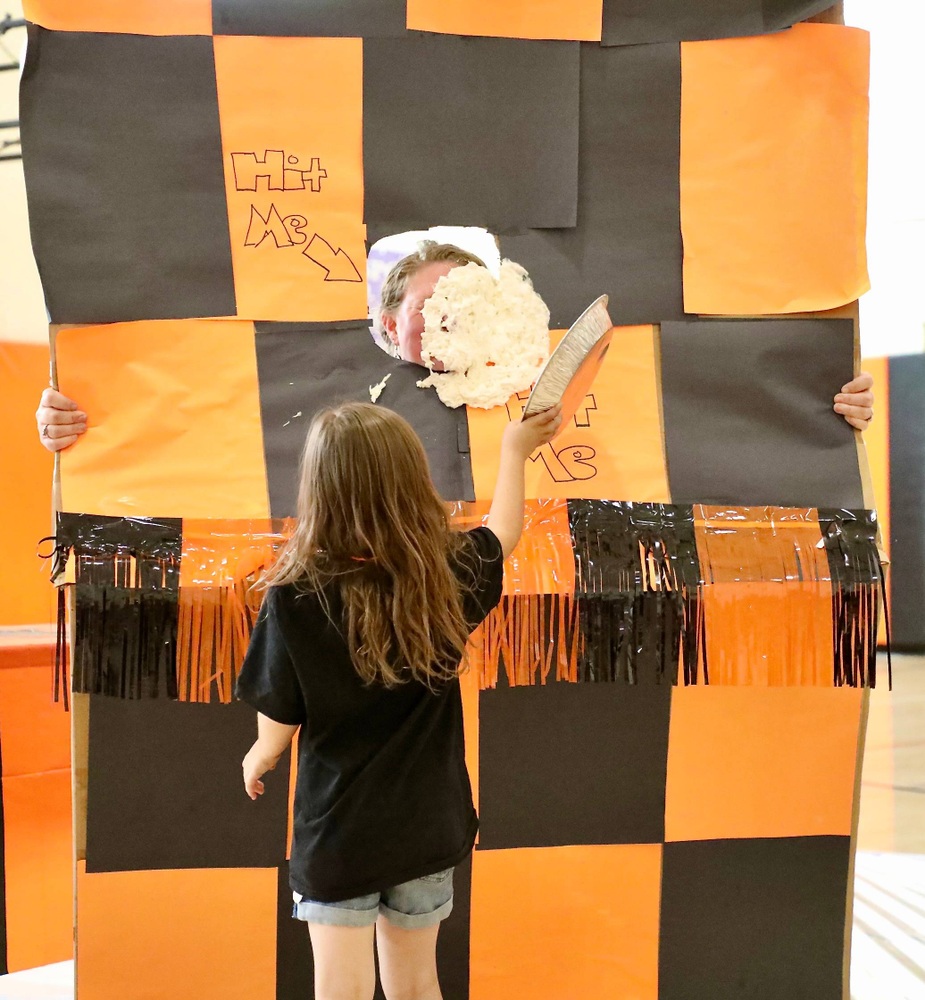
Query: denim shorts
<point x="423" y="902"/>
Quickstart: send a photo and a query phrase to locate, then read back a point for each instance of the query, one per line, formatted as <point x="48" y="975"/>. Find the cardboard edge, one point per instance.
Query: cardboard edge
<point x="853" y="848"/>
<point x="657" y="357"/>
<point x="53" y="383"/>
<point x="867" y="480"/>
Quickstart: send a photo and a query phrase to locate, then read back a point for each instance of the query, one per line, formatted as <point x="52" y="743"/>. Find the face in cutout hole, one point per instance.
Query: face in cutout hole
<point x="405" y="325"/>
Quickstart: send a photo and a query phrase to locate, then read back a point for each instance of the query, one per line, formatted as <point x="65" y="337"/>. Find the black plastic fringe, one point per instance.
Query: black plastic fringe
<point x="125" y="642"/>
<point x="126" y="575"/>
<point x="61" y="683"/>
<point x="57" y="554"/>
<point x="850" y="538"/>
<point x="637" y="592"/>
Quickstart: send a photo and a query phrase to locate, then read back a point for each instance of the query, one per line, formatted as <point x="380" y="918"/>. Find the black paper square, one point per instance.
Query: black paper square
<point x="122" y="153"/>
<point x="756" y="919"/>
<point x="295" y="967"/>
<point x="748" y="412"/>
<point x="634" y="22"/>
<point x="165" y="789"/>
<point x="627" y="242"/>
<point x="564" y="764"/>
<point x="470" y="131"/>
<point x="303" y="368"/>
<point x="318" y="18"/>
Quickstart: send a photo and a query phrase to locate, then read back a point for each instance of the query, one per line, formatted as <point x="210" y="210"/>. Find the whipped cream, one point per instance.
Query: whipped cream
<point x="490" y="334"/>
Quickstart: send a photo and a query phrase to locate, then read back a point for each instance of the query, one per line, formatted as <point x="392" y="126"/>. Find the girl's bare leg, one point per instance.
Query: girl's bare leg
<point x="408" y="962"/>
<point x="344" y="964"/>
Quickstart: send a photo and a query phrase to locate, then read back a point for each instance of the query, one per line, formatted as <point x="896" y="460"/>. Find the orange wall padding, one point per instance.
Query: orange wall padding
<point x="26" y="596"/>
<point x="877" y="446"/>
<point x="35" y="734"/>
<point x="877" y="443"/>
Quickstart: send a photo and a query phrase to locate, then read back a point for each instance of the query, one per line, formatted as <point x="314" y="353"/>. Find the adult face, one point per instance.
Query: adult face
<point x="405" y="326"/>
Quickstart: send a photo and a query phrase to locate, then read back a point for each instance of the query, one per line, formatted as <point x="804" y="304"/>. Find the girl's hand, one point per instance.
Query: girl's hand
<point x="855" y="402"/>
<point x="255" y="766"/>
<point x="60" y="422"/>
<point x="525" y="436"/>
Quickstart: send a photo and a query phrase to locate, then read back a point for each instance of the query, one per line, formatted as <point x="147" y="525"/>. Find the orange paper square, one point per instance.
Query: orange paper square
<point x="128" y="17"/>
<point x="291" y="113"/>
<point x="579" y="20"/>
<point x="774" y="170"/>
<point x="174" y="420"/>
<point x="560" y="922"/>
<point x="613" y="449"/>
<point x="203" y="933"/>
<point x="761" y="762"/>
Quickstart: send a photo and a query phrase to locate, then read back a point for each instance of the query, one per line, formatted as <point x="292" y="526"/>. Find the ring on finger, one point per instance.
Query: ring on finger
<point x="45" y="433"/>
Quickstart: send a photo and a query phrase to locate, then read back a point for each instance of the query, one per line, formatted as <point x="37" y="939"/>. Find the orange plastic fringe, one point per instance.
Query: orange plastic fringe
<point x="213" y="630"/>
<point x="719" y="595"/>
<point x="222" y="562"/>
<point x="528" y="636"/>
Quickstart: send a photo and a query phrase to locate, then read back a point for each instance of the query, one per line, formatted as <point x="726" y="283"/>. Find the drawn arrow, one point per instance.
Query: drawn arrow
<point x="338" y="264"/>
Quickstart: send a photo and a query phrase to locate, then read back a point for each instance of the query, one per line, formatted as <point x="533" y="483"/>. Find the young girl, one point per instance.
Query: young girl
<point x="358" y="644"/>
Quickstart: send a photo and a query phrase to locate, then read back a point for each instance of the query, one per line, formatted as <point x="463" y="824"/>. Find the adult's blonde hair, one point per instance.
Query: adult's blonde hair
<point x="396" y="283"/>
<point x="371" y="524"/>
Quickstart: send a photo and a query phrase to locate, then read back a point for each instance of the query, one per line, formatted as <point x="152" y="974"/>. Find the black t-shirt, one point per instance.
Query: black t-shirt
<point x="382" y="793"/>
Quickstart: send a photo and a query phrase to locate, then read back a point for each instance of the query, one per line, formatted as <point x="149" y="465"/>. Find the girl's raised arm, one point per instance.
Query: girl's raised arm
<point x="521" y="439"/>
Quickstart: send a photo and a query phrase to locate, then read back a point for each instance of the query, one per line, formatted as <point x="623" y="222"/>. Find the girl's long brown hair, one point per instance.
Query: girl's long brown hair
<point x="371" y="523"/>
